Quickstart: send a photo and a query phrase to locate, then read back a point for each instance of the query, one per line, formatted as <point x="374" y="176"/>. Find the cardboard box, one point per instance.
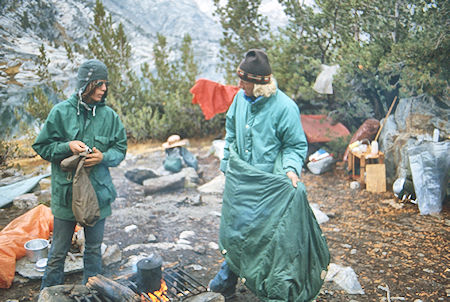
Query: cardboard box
<point x="376" y="178"/>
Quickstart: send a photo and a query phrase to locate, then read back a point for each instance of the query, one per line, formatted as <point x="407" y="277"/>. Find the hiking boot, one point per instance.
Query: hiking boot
<point x="224" y="282"/>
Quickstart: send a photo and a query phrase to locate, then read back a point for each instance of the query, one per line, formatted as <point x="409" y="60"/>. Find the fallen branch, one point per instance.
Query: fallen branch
<point x="386" y="289"/>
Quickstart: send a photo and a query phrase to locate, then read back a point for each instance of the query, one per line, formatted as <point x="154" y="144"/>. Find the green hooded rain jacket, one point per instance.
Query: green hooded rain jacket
<point x="99" y="127"/>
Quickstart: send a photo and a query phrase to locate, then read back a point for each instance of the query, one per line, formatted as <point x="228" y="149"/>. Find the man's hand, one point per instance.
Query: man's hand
<point x="293" y="177"/>
<point x="77" y="147"/>
<point x="93" y="158"/>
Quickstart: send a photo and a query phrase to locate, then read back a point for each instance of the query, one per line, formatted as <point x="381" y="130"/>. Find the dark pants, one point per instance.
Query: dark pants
<point x="62" y="240"/>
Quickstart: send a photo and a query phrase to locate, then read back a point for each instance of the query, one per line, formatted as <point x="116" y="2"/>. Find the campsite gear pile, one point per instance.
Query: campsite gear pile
<point x="320" y="162"/>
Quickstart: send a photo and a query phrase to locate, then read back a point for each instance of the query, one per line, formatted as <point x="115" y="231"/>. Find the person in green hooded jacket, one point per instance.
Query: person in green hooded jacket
<point x="79" y="124"/>
<point x="263" y="125"/>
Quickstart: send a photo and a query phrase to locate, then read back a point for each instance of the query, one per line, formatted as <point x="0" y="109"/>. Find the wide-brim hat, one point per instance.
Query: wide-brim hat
<point x="174" y="141"/>
<point x="255" y="67"/>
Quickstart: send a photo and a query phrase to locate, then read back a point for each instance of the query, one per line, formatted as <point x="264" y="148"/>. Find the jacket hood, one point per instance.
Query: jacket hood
<point x="89" y="71"/>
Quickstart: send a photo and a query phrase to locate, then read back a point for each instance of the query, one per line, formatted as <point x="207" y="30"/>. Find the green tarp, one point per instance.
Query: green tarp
<point x="9" y="192"/>
<point x="269" y="235"/>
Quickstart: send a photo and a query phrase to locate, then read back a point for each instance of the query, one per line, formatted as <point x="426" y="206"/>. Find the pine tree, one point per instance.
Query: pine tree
<point x="243" y="28"/>
<point x="110" y="45"/>
<point x="39" y="104"/>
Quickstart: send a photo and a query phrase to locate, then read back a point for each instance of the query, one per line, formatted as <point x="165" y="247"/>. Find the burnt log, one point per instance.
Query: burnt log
<point x="115" y="291"/>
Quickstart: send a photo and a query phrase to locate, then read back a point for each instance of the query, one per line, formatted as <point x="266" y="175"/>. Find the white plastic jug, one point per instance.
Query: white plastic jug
<point x="374" y="148"/>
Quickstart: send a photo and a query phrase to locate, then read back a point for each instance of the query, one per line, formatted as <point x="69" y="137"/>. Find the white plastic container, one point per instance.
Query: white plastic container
<point x="374" y="148"/>
<point x="436" y="135"/>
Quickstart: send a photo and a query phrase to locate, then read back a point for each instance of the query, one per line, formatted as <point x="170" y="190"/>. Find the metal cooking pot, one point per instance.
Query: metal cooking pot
<point x="149" y="274"/>
<point x="36" y="249"/>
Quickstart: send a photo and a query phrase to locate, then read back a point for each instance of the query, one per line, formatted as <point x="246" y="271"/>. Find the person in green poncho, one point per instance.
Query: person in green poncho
<point x="264" y="125"/>
<point x="82" y="123"/>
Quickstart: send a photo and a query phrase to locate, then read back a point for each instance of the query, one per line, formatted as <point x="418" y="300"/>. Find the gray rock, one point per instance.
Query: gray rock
<point x="44" y="196"/>
<point x="60" y="293"/>
<point x="213" y="246"/>
<point x="206" y="297"/>
<point x="45" y="182"/>
<point x="26" y="201"/>
<point x="184" y="242"/>
<point x="164" y="183"/>
<point x="10" y="176"/>
<point x="217" y="148"/>
<point x="152" y="238"/>
<point x="215" y="186"/>
<point x="138" y="175"/>
<point x="345" y="277"/>
<point x="354" y="185"/>
<point x="193" y="200"/>
<point x="27" y="269"/>
<point x="113" y="254"/>
<point x="200" y="249"/>
<point x="192" y="178"/>
<point x="186" y="234"/>
<point x="414" y="120"/>
<point x="130" y="228"/>
<point x="321" y="217"/>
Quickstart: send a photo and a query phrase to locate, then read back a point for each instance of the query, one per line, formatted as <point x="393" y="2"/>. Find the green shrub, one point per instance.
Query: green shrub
<point x="338" y="146"/>
<point x="8" y="150"/>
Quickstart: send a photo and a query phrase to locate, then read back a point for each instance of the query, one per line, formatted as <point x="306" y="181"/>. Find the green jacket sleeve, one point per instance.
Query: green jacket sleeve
<point x="230" y="136"/>
<point x="51" y="144"/>
<point x="294" y="144"/>
<point x="116" y="153"/>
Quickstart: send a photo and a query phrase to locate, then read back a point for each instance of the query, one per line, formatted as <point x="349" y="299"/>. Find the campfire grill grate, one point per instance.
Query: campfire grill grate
<point x="181" y="285"/>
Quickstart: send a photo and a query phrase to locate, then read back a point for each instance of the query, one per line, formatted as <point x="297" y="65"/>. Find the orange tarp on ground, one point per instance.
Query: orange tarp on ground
<point x="212" y="97"/>
<point x="320" y="129"/>
<point x="36" y="223"/>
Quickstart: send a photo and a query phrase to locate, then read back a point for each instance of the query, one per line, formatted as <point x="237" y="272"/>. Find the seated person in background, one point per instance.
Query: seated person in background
<point x="176" y="154"/>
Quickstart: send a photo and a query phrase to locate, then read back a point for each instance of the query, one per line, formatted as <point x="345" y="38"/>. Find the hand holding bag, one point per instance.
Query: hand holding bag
<point x="84" y="199"/>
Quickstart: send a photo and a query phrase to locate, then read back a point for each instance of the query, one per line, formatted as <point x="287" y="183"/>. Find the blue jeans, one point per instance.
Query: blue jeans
<point x="225" y="281"/>
<point x="62" y="240"/>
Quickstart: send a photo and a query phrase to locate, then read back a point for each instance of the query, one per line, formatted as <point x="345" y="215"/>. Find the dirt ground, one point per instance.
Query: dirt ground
<point x="387" y="243"/>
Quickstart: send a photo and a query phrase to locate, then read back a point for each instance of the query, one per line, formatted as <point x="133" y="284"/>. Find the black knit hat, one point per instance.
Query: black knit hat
<point x="255" y="67"/>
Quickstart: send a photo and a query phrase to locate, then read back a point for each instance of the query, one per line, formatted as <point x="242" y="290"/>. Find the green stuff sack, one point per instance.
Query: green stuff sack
<point x="269" y="235"/>
<point x="173" y="164"/>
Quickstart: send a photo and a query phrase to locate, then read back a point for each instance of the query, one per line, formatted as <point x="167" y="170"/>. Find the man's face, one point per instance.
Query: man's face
<point x="247" y="87"/>
<point x="100" y="88"/>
